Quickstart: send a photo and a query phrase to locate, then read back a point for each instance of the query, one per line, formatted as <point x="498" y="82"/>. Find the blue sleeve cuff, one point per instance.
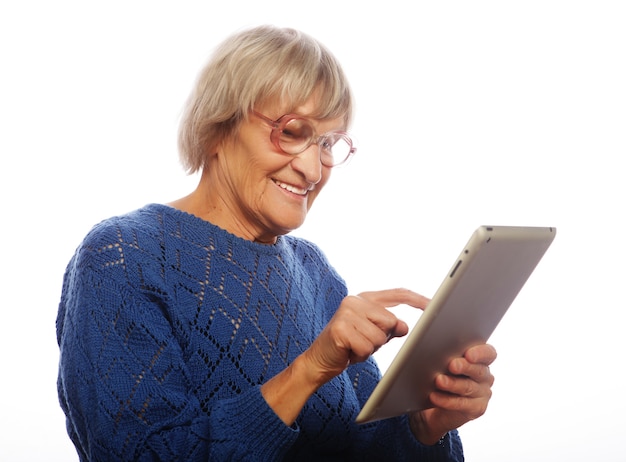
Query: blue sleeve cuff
<point x="246" y="428"/>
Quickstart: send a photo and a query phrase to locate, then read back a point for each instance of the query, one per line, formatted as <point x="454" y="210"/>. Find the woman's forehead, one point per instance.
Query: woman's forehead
<point x="311" y="109"/>
<point x="317" y="105"/>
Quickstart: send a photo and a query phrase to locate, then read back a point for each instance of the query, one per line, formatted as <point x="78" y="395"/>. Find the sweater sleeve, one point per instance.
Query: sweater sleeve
<point x="125" y="387"/>
<point x="389" y="439"/>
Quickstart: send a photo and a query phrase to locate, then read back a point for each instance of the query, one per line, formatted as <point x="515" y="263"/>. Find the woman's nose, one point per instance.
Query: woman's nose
<point x="309" y="164"/>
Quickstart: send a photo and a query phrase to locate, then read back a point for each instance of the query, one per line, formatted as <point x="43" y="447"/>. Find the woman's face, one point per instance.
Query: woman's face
<point x="265" y="192"/>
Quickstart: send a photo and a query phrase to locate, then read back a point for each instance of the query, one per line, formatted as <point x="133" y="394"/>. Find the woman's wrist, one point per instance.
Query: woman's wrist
<point x="288" y="391"/>
<point x="423" y="433"/>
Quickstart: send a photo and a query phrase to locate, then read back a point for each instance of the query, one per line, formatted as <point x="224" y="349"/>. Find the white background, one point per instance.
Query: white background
<point x="468" y="113"/>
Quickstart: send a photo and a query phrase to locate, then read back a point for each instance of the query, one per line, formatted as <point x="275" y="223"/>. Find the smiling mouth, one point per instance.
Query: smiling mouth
<point x="291" y="188"/>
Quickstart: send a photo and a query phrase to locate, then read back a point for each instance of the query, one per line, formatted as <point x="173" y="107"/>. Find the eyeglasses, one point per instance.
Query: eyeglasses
<point x="292" y="134"/>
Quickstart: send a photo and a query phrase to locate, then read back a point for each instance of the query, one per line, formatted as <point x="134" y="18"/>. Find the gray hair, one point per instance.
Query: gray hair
<point x="258" y="66"/>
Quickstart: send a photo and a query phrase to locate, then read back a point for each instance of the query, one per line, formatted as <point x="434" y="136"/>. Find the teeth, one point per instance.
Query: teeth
<point x="292" y="188"/>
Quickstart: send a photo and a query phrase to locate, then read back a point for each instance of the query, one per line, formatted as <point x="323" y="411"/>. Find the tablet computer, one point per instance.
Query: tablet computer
<point x="474" y="296"/>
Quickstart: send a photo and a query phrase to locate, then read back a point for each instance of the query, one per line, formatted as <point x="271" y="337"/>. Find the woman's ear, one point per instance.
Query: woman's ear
<point x="209" y="154"/>
<point x="213" y="149"/>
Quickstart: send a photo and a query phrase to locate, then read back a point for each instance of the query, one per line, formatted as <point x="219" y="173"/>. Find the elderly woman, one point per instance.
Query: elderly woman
<point x="200" y="330"/>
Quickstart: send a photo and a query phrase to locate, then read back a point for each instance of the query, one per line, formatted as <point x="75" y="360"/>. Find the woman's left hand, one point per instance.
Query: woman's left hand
<point x="462" y="395"/>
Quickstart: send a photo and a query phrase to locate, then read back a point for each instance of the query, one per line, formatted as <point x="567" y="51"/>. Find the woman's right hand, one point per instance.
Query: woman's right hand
<point x="361" y="325"/>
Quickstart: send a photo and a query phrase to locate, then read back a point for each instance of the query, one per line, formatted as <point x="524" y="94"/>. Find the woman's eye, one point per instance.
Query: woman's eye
<point x="327" y="144"/>
<point x="292" y="134"/>
<point x="296" y="130"/>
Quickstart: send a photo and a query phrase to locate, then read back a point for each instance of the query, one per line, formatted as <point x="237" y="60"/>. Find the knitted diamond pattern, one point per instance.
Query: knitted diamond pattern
<point x="168" y="326"/>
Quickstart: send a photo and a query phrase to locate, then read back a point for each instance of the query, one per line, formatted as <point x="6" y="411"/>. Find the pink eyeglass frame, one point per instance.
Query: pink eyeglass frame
<point x="279" y="125"/>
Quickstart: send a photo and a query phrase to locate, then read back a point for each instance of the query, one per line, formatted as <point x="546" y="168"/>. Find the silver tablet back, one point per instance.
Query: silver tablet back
<point x="481" y="285"/>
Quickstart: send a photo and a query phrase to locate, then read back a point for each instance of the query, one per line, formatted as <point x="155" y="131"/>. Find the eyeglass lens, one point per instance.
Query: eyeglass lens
<point x="297" y="134"/>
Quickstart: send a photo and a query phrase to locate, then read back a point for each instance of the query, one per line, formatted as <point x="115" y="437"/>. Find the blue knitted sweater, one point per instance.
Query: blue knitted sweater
<point x="167" y="327"/>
